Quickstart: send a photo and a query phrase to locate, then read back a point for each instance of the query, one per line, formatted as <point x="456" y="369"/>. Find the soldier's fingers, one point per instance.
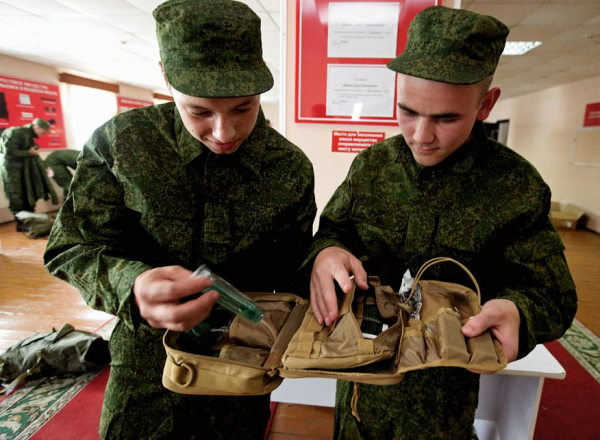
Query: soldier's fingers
<point x="191" y="313"/>
<point x="316" y="300"/>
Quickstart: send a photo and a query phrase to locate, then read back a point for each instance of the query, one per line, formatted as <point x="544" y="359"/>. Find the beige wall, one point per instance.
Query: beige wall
<point x="271" y="112"/>
<point x="542" y="126"/>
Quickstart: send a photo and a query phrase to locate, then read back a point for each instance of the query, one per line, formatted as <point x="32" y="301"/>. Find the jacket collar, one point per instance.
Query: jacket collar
<point x="249" y="154"/>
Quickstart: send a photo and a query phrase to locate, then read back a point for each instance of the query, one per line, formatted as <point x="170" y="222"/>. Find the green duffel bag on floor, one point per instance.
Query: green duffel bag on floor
<point x="54" y="353"/>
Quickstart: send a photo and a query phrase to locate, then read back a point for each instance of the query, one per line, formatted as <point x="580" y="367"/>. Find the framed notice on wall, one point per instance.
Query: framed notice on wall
<point x="342" y="48"/>
<point x="22" y="100"/>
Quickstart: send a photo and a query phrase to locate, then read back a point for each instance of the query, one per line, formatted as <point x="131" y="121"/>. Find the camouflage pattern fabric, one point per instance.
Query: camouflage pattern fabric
<point x="452" y="46"/>
<point x="147" y="194"/>
<point x="14" y="145"/>
<point x="60" y="161"/>
<point x="484" y="206"/>
<point x="36" y="181"/>
<point x="212" y="48"/>
<point x="413" y="411"/>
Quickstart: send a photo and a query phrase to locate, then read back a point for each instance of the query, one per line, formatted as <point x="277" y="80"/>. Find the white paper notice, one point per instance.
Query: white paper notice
<point x="360" y="91"/>
<point x="363" y="30"/>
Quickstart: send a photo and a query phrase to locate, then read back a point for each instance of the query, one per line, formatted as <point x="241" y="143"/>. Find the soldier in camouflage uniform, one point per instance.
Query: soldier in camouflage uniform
<point x="443" y="188"/>
<point x="18" y="144"/>
<point x="159" y="191"/>
<point x="59" y="162"/>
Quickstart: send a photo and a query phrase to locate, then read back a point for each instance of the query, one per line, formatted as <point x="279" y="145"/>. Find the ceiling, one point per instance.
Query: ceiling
<point x="114" y="40"/>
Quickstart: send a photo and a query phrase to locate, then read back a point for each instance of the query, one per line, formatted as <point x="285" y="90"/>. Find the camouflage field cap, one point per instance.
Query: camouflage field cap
<point x="452" y="46"/>
<point x="41" y="123"/>
<point x="212" y="48"/>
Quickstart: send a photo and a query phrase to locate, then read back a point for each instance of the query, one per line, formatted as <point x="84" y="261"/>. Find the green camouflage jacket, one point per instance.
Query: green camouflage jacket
<point x="147" y="194"/>
<point x="484" y="206"/>
<point x="62" y="158"/>
<point x="16" y="142"/>
<point x="24" y="176"/>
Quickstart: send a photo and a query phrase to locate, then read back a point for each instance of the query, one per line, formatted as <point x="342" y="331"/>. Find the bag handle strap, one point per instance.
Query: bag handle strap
<point x="435" y="261"/>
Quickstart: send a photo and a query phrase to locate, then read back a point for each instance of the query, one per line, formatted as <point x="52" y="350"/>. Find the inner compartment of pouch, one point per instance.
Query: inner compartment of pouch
<point x="227" y="336"/>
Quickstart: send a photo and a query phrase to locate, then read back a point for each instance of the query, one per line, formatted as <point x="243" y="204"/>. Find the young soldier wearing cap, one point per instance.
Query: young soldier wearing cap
<point x="443" y="188"/>
<point x="159" y="191"/>
<point x="18" y="146"/>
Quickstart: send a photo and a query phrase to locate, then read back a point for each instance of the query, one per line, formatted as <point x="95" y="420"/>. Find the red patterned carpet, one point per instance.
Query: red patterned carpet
<point x="78" y="419"/>
<point x="569" y="408"/>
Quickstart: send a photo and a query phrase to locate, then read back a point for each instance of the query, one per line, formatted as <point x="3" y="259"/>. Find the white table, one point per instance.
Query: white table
<point x="508" y="400"/>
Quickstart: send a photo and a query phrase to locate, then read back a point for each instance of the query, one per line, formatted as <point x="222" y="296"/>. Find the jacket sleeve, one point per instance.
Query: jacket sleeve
<point x="89" y="245"/>
<point x="540" y="284"/>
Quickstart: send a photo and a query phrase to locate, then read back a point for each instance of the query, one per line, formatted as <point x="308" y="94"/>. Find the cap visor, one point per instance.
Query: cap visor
<point x="220" y="83"/>
<point x="437" y="69"/>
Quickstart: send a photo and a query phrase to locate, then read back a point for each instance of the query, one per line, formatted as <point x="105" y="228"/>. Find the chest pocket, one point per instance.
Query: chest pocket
<point x="259" y="216"/>
<point x="381" y="227"/>
<point x="169" y="222"/>
<point x="463" y="234"/>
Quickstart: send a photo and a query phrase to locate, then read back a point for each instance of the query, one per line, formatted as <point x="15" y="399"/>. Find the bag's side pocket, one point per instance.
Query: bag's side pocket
<point x="451" y="341"/>
<point x="247" y="355"/>
<point x="413" y="349"/>
<point x="431" y="343"/>
<point x="481" y="349"/>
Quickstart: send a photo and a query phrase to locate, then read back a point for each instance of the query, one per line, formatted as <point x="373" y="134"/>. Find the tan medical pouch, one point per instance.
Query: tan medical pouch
<point x="289" y="342"/>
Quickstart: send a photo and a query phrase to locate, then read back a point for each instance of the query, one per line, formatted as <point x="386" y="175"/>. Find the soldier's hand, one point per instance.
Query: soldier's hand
<point x="502" y="317"/>
<point x="33" y="151"/>
<point x="333" y="263"/>
<point x="158" y="293"/>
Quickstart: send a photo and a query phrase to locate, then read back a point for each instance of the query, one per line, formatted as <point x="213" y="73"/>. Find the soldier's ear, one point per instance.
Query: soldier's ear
<point x="488" y="103"/>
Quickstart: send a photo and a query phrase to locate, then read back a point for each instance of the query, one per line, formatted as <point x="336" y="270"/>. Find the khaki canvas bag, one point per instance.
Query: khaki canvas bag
<point x="289" y="342"/>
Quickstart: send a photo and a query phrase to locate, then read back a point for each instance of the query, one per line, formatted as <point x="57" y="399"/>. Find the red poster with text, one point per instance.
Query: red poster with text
<point x="592" y="115"/>
<point x="22" y="100"/>
<point x="342" y="49"/>
<point x="124" y="104"/>
<point x="354" y="141"/>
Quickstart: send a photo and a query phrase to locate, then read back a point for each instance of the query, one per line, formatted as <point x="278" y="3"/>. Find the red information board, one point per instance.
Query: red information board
<point x="124" y="104"/>
<point x="22" y="100"/>
<point x="592" y="115"/>
<point x="342" y="49"/>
